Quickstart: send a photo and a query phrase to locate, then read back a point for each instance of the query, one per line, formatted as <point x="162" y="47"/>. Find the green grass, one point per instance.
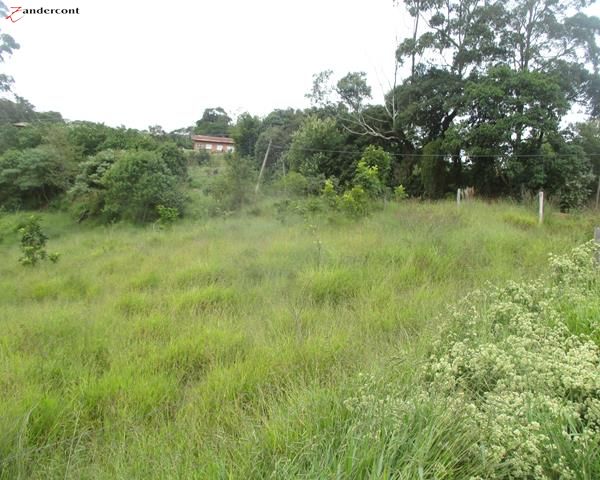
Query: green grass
<point x="219" y="348"/>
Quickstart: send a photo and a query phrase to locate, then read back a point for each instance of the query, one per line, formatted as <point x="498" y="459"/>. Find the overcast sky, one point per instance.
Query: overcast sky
<point x="145" y="63"/>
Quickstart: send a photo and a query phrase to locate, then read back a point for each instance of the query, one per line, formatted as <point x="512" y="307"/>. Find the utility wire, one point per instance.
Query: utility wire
<point x="419" y="155"/>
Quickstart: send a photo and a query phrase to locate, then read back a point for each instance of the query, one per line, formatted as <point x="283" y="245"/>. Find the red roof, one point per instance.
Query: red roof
<point x="209" y="139"/>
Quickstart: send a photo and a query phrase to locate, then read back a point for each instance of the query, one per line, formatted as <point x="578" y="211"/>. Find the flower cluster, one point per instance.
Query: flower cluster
<point x="521" y="365"/>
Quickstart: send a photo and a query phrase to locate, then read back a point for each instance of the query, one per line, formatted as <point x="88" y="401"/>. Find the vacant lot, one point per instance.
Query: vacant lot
<point x="211" y="349"/>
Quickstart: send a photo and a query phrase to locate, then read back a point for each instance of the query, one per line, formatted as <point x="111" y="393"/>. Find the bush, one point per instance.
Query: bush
<point x="294" y="184"/>
<point x="87" y="193"/>
<point x="355" y="202"/>
<point x="400" y="193"/>
<point x="166" y="216"/>
<point x="174" y="158"/>
<point x="33" y="243"/>
<point x="367" y="177"/>
<point x="329" y="194"/>
<point x="197" y="157"/>
<point x="137" y="183"/>
<point x="516" y="373"/>
<point x="34" y="176"/>
<point x="377" y="157"/>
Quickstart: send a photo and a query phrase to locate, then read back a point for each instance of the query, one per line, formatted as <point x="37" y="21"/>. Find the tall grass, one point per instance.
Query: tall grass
<point x="226" y="348"/>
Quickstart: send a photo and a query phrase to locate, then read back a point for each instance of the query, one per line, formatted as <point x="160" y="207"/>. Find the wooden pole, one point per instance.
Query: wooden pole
<point x="598" y="193"/>
<point x="262" y="168"/>
<point x="541" y="214"/>
<point x="458" y="192"/>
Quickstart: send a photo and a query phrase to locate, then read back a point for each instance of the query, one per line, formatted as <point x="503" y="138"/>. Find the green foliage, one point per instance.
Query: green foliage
<point x="433" y="170"/>
<point x="317" y="148"/>
<point x="329" y="194"/>
<point x="375" y="156"/>
<point x="137" y="183"/>
<point x="214" y="121"/>
<point x="167" y="216"/>
<point x="368" y="178"/>
<point x="355" y="202"/>
<point x="34" y="176"/>
<point x="197" y="157"/>
<point x="174" y="158"/>
<point x="235" y="187"/>
<point x="294" y="184"/>
<point x="87" y="193"/>
<point x="33" y="243"/>
<point x="400" y="193"/>
<point x="245" y="133"/>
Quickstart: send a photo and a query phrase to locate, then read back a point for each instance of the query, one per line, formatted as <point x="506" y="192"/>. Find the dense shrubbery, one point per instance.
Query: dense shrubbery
<point x="137" y="183"/>
<point x="34" y="176"/>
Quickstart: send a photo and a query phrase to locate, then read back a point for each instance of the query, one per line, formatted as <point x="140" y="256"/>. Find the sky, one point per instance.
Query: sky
<point x="147" y="63"/>
<point x="138" y="64"/>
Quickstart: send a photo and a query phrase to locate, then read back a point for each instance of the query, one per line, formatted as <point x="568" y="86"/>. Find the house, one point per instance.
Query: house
<point x="213" y="144"/>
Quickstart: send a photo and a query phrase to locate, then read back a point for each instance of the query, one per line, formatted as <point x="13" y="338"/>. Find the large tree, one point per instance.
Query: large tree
<point x="214" y="121"/>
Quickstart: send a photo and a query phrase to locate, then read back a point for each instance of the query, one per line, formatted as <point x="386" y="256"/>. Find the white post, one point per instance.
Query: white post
<point x="541" y="215"/>
<point x="458" y="193"/>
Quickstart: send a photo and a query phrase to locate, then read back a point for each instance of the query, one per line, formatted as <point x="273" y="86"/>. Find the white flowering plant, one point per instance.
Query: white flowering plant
<point x="511" y="388"/>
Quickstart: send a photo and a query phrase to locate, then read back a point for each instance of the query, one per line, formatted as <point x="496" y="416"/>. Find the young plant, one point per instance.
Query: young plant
<point x="33" y="243"/>
<point x="400" y="193"/>
<point x="166" y="216"/>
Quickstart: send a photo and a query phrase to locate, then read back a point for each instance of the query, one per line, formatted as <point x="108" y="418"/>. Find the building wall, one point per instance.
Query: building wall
<point x="214" y="147"/>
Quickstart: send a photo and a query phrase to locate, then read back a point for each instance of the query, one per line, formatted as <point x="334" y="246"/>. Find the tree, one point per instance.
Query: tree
<point x="137" y="183"/>
<point x="318" y="147"/>
<point x="245" y="133"/>
<point x="34" y="176"/>
<point x="492" y="80"/>
<point x="214" y="121"/>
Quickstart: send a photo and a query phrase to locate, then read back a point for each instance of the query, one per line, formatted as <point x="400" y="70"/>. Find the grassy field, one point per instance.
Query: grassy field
<point x="226" y="348"/>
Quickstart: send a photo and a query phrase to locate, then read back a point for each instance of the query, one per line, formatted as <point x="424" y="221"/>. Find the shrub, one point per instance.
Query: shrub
<point x="174" y="158"/>
<point x="355" y="202"/>
<point x="367" y="177"/>
<point x="317" y="148"/>
<point x="166" y="216"/>
<point x="197" y="157"/>
<point x="137" y="183"/>
<point x="35" y="176"/>
<point x="400" y="193"/>
<point x="294" y="184"/>
<point x="329" y="194"/>
<point x="517" y="373"/>
<point x="87" y="193"/>
<point x="377" y="157"/>
<point x="33" y="243"/>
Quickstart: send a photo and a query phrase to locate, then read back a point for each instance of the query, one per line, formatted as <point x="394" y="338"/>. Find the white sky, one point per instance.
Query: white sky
<point x="145" y="63"/>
